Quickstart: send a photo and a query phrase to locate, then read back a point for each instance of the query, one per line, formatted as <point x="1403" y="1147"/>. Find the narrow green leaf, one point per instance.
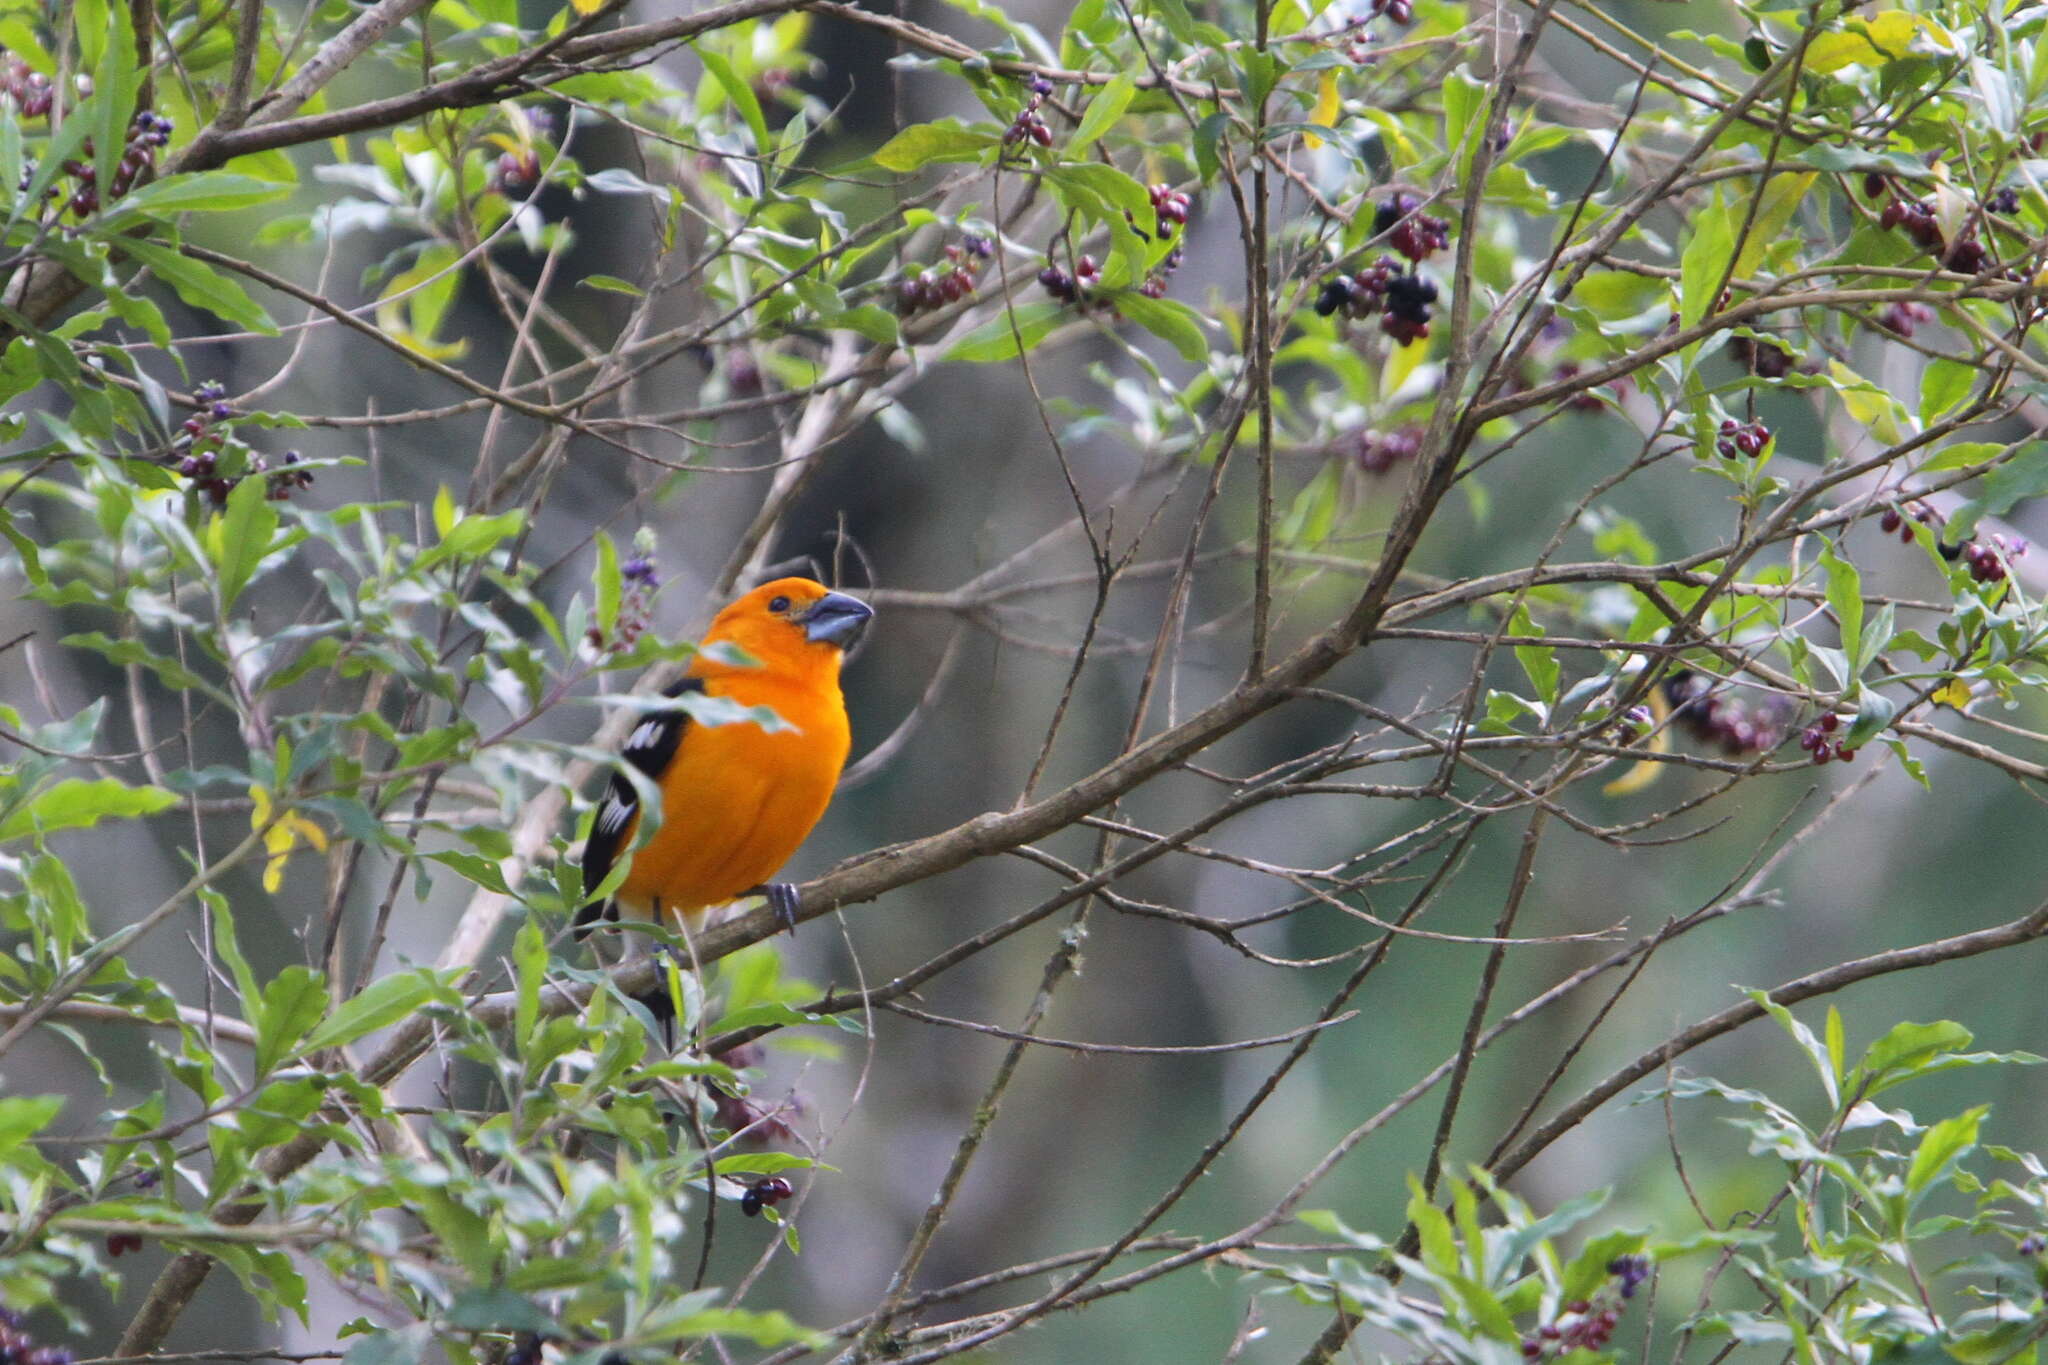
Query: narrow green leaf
<point x="240" y="536"/>
<point x="1103" y="112"/>
<point x="80" y="803"/>
<point x="1707" y="253"/>
<point x="1845" y="596"/>
<point x="997" y="339"/>
<point x="1941" y="1146"/>
<point x="740" y="93"/>
<point x="197" y="192"/>
<point x="1170" y="320"/>
<point x="292" y="1004"/>
<point x="381" y="1003"/>
<point x="922" y="144"/>
<point x="201" y="286"/>
<point x="1944" y="384"/>
<point x="612" y="284"/>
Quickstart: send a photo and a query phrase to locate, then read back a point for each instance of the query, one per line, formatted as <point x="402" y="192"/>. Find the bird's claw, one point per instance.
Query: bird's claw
<point x="782" y="900"/>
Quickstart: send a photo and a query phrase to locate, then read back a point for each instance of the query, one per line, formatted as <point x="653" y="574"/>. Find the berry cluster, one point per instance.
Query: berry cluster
<point x="1030" y="125"/>
<point x="1764" y="359"/>
<point x="1742" y="438"/>
<point x="1400" y="11"/>
<point x="636" y="606"/>
<point x="30" y="90"/>
<point x="1965" y="255"/>
<point x="1585" y="400"/>
<point x="941" y="285"/>
<point x="1894" y="521"/>
<point x="518" y="168"/>
<point x="516" y="173"/>
<point x="1408" y="301"/>
<point x="17" y="1347"/>
<point x="2004" y="200"/>
<point x="1988" y="563"/>
<point x="1817" y="739"/>
<point x="1583" y="1325"/>
<point x="1588" y="1324"/>
<point x="764" y="1194"/>
<point x="1071" y="288"/>
<point x="1358" y="296"/>
<point x="146" y="134"/>
<point x="1379" y="451"/>
<point x="1169" y="208"/>
<point x="525" y="1349"/>
<point x="1402" y="300"/>
<point x="2033" y="1244"/>
<point x="1629" y="1273"/>
<point x="1414" y="234"/>
<point x="1903" y="317"/>
<point x="1721" y="721"/>
<point x="208" y="455"/>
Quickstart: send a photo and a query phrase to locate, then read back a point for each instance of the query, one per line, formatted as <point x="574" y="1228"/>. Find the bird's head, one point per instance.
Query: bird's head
<point x="791" y="619"/>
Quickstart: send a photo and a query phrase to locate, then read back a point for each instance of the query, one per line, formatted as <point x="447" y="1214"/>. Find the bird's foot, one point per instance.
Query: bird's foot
<point x="782" y="900"/>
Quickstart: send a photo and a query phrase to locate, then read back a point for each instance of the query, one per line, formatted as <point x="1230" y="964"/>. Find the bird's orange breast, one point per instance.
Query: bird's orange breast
<point x="738" y="799"/>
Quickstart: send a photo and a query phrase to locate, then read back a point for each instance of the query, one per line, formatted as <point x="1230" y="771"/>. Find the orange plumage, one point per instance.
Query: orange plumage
<point x="736" y="798"/>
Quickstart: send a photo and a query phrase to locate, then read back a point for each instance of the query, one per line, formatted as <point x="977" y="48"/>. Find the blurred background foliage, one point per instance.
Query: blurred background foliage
<point x="681" y="305"/>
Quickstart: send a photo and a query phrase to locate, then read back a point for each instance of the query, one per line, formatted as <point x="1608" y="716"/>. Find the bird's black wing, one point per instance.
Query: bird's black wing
<point x="650" y="748"/>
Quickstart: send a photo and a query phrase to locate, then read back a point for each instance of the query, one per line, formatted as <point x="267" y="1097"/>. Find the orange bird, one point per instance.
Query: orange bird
<point x="736" y="798"/>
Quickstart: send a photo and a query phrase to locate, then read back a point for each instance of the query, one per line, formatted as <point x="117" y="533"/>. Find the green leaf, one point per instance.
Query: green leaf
<point x="1707" y="253"/>
<point x="922" y="144"/>
<point x="1538" y="661"/>
<point x="530" y="957"/>
<point x="381" y="1003"/>
<point x="468" y="537"/>
<point x="404" y="1346"/>
<point x="498" y="1310"/>
<point x="482" y="871"/>
<point x="997" y="339"/>
<point x="2023" y="476"/>
<point x="1906" y="1048"/>
<point x="612" y="284"/>
<point x="1439" y="1244"/>
<point x="1940" y="1146"/>
<point x="1170" y="320"/>
<point x="1944" y="384"/>
<point x="1845" y="596"/>
<point x="1103" y="112"/>
<point x="199" y="191"/>
<point x="79" y="803"/>
<point x="1208" y="138"/>
<point x="739" y="92"/>
<point x="22" y="1118"/>
<point x="1816" y="1052"/>
<point x="238" y="538"/>
<point x="292" y="1004"/>
<point x="115" y="83"/>
<point x="201" y="286"/>
<point x="1961" y="455"/>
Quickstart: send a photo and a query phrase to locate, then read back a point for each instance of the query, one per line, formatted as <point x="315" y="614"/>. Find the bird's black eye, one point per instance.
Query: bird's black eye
<point x="779" y="604"/>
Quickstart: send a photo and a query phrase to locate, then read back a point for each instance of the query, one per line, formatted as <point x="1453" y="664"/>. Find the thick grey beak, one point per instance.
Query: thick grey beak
<point x="836" y="619"/>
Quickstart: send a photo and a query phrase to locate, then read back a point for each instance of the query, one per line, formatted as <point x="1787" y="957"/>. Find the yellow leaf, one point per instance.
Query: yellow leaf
<point x="1780" y="201"/>
<point x="1955" y="694"/>
<point x="1866" y="402"/>
<point x="1401" y="363"/>
<point x="1644" y="771"/>
<point x="1867" y="42"/>
<point x="1329" y="107"/>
